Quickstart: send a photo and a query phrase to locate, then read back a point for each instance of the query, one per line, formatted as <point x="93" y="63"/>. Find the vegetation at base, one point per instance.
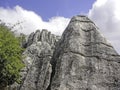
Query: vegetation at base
<point x="10" y="57"/>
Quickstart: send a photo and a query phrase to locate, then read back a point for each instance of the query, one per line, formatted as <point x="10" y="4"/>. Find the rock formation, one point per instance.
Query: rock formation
<point x="82" y="59"/>
<point x="40" y="47"/>
<point x="39" y="51"/>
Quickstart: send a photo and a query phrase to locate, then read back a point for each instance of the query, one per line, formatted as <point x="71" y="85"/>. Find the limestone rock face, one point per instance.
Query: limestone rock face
<point x="37" y="73"/>
<point x="84" y="60"/>
<point x="81" y="59"/>
<point x="43" y="36"/>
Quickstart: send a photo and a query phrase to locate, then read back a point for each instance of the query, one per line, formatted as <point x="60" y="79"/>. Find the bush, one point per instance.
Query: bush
<point x="10" y="57"/>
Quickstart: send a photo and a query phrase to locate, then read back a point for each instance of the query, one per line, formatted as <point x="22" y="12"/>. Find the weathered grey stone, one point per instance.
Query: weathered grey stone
<point x="36" y="37"/>
<point x="30" y="39"/>
<point x="39" y="67"/>
<point x="43" y="36"/>
<point x="48" y="37"/>
<point x="84" y="60"/>
<point x="37" y="71"/>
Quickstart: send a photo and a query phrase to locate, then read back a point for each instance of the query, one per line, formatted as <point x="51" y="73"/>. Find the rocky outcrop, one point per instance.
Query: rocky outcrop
<point x="39" y="51"/>
<point x="82" y="59"/>
<point x="43" y="36"/>
<point x="37" y="73"/>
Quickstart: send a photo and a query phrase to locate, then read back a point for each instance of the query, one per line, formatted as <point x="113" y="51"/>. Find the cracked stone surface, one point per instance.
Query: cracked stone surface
<point x="81" y="59"/>
<point x="38" y="55"/>
<point x="84" y="60"/>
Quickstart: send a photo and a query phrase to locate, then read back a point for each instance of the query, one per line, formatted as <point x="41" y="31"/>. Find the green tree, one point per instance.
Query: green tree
<point x="10" y="57"/>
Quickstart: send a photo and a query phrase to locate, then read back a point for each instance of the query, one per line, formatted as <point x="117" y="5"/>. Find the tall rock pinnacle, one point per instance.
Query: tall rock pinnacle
<point x="81" y="59"/>
<point x="84" y="60"/>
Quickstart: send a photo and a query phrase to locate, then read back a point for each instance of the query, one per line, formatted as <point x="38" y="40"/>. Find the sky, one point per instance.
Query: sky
<point x="55" y="15"/>
<point x="50" y="8"/>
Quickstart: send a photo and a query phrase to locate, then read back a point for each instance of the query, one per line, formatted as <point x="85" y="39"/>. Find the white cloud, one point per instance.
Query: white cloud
<point x="31" y="21"/>
<point x="106" y="14"/>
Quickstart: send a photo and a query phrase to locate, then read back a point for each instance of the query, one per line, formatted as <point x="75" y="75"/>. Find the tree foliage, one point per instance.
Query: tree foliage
<point x="10" y="57"/>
